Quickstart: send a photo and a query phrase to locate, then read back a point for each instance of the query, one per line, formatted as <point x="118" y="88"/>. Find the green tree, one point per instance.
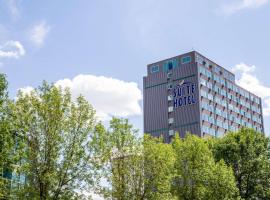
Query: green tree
<point x="198" y="177"/>
<point x="133" y="169"/>
<point x="7" y="140"/>
<point x="158" y="170"/>
<point x="56" y="132"/>
<point x="247" y="152"/>
<point x="115" y="151"/>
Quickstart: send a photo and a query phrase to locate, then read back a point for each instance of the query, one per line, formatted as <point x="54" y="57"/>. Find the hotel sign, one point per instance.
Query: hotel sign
<point x="184" y="94"/>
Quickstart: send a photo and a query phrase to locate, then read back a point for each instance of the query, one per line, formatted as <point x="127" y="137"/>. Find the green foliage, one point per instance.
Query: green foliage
<point x="197" y="175"/>
<point x="247" y="152"/>
<point x="133" y="169"/>
<point x="114" y="153"/>
<point x="55" y="136"/>
<point x="159" y="159"/>
<point x="57" y="145"/>
<point x="7" y="157"/>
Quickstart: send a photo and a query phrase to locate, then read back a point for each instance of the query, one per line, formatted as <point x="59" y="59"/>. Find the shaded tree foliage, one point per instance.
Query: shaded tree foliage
<point x="133" y="169"/>
<point x="247" y="152"/>
<point x="8" y="157"/>
<point x="197" y="175"/>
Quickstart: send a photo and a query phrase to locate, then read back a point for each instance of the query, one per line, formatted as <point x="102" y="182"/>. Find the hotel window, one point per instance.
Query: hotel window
<point x="170" y="120"/>
<point x="171" y="132"/>
<point x="208" y="107"/>
<point x="242" y="92"/>
<point x="212" y="131"/>
<point x="203" y="93"/>
<point x="248" y="115"/>
<point x="223" y="92"/>
<point x="209" y="85"/>
<point x="223" y="103"/>
<point x="208" y="74"/>
<point x="224" y="114"/>
<point x="256" y="100"/>
<point x="202" y="70"/>
<point x="205" y="129"/>
<point x="229" y="85"/>
<point x="217" y="69"/>
<point x="204" y="105"/>
<point x="169" y="86"/>
<point x="219" y="123"/>
<point x="260" y="120"/>
<point x="207" y="118"/>
<point x="231" y="77"/>
<point x="218" y="111"/>
<point x="217" y="100"/>
<point x="222" y="81"/>
<point x="225" y="74"/>
<point x="211" y="108"/>
<point x="216" y="78"/>
<point x="205" y="63"/>
<point x="170" y="64"/>
<point x="169" y="75"/>
<point x="231" y="107"/>
<point x="253" y="108"/>
<point x="170" y="109"/>
<point x="225" y="125"/>
<point x="199" y="59"/>
<point x="211" y="120"/>
<point x="216" y="88"/>
<point x="186" y="59"/>
<point x="237" y="120"/>
<point x="236" y="89"/>
<point x="204" y="117"/>
<point x="154" y="69"/>
<point x="220" y="133"/>
<point x="242" y="112"/>
<point x="242" y="102"/>
<point x="203" y="82"/>
<point x="170" y="98"/>
<point x="246" y="94"/>
<point x="232" y="128"/>
<point x="210" y="96"/>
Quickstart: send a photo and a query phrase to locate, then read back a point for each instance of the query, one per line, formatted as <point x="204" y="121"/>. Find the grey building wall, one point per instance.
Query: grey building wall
<point x="156" y="103"/>
<point x="212" y="87"/>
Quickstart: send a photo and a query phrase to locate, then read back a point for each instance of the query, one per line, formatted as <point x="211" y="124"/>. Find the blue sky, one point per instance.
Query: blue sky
<point x="101" y="48"/>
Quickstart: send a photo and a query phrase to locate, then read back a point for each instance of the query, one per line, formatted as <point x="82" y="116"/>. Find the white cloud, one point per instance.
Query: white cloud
<point x="242" y="5"/>
<point x="242" y="67"/>
<point x="250" y="82"/>
<point x="26" y="90"/>
<point x="12" y="49"/>
<point x="39" y="32"/>
<point x="13" y="8"/>
<point x="109" y="96"/>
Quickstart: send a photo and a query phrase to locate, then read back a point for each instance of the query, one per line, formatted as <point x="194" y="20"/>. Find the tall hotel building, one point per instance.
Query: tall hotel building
<point x="190" y="93"/>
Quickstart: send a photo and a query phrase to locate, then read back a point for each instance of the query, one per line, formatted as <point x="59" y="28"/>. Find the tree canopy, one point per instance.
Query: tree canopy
<point x="198" y="176"/>
<point x="247" y="152"/>
<point x="56" y="132"/>
<point x="52" y="147"/>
